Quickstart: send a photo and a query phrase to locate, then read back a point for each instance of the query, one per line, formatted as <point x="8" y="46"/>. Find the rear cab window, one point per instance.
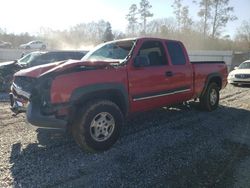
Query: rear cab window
<point x="176" y="53"/>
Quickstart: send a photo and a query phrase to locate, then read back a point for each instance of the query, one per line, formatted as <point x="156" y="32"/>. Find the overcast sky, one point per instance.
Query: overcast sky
<point x="30" y="15"/>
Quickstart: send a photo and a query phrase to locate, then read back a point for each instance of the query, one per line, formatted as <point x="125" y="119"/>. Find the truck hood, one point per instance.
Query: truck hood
<point x="3" y="64"/>
<point x="62" y="66"/>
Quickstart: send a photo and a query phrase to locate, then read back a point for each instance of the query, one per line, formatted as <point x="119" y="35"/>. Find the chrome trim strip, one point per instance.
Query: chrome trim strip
<point x="19" y="91"/>
<point x="162" y="95"/>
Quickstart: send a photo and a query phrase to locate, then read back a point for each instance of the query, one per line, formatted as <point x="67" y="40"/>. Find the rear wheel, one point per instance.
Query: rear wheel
<point x="209" y="101"/>
<point x="98" y="125"/>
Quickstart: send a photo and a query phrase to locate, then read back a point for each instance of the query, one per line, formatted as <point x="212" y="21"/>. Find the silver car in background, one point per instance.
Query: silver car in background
<point x="36" y="44"/>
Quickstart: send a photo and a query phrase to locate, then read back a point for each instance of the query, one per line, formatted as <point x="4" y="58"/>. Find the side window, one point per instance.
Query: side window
<point x="154" y="50"/>
<point x="176" y="53"/>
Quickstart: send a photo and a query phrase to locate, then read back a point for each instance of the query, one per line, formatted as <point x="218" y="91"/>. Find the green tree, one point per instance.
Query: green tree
<point x="108" y="35"/>
<point x="145" y="13"/>
<point x="132" y="18"/>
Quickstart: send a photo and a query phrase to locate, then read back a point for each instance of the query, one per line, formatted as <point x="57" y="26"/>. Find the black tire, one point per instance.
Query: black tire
<point x="209" y="101"/>
<point x="88" y="125"/>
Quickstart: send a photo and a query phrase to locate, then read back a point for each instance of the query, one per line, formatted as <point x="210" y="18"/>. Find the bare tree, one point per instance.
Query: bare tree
<point x="205" y="14"/>
<point x="181" y="12"/>
<point x="145" y="13"/>
<point x="222" y="13"/>
<point x="186" y="21"/>
<point x="177" y="6"/>
<point x="2" y="31"/>
<point x="243" y="34"/>
<point x="162" y="27"/>
<point x="132" y="18"/>
<point x="119" y="35"/>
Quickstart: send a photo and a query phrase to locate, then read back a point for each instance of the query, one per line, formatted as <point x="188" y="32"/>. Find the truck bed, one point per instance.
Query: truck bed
<point x="201" y="69"/>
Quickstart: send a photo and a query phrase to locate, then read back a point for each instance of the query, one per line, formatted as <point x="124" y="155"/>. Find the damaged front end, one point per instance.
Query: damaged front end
<point x="31" y="92"/>
<point x="20" y="93"/>
<point x="32" y="95"/>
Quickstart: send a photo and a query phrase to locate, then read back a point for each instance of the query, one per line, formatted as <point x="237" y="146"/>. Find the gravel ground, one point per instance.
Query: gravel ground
<point x="175" y="147"/>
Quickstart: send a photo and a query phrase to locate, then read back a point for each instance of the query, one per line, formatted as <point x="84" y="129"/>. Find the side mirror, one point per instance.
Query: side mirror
<point x="141" y="61"/>
<point x="235" y="68"/>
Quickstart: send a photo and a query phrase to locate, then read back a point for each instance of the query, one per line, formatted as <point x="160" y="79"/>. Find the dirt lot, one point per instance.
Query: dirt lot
<point x="176" y="147"/>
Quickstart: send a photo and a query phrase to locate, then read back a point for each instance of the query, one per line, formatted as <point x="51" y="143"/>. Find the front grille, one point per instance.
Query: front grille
<point x="242" y="76"/>
<point x="25" y="83"/>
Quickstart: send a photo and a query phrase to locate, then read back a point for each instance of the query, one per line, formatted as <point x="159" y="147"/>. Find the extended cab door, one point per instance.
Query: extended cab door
<point x="161" y="82"/>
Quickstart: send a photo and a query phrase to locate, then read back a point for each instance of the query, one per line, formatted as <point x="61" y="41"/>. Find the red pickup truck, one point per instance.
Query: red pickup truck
<point x="93" y="96"/>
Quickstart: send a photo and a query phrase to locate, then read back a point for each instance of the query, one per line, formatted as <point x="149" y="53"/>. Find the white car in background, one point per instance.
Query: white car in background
<point x="240" y="75"/>
<point x="36" y="44"/>
<point x="4" y="44"/>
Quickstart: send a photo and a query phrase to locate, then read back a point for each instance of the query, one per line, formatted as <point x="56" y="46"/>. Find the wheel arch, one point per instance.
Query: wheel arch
<point x="108" y="91"/>
<point x="212" y="78"/>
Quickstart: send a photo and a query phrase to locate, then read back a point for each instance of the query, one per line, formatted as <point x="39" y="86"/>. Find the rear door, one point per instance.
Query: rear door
<point x="181" y="69"/>
<point x="160" y="83"/>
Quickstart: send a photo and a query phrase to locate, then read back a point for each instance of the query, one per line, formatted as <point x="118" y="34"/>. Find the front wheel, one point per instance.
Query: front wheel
<point x="209" y="101"/>
<point x="98" y="125"/>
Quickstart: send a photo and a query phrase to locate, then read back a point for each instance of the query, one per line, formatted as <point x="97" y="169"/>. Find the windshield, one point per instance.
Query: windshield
<point x="115" y="51"/>
<point x="245" y="65"/>
<point x="28" y="58"/>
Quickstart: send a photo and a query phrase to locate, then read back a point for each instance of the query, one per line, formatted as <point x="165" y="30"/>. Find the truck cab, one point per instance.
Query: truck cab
<point x="167" y="77"/>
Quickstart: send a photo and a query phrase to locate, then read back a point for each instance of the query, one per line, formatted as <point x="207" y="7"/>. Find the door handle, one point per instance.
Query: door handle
<point x="169" y="74"/>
